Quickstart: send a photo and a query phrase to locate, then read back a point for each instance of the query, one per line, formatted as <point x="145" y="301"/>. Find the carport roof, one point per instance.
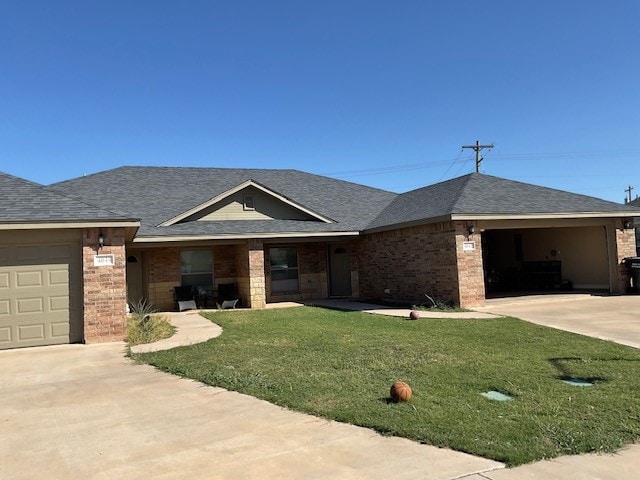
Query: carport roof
<point x="28" y="202"/>
<point x="478" y="194"/>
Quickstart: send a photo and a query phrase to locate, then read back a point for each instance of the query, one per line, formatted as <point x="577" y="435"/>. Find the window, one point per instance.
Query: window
<point x="284" y="269"/>
<point x="196" y="269"/>
<point x="247" y="202"/>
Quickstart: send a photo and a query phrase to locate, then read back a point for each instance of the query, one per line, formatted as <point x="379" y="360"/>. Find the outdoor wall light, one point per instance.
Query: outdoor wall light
<point x="627" y="224"/>
<point x="472" y="230"/>
<point x="100" y="240"/>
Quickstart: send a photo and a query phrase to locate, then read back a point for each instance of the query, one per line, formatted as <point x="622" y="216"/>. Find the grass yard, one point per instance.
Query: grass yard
<point x="340" y="365"/>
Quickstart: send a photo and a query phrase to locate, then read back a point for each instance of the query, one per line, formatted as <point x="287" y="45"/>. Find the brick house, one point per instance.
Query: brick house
<point x="284" y="235"/>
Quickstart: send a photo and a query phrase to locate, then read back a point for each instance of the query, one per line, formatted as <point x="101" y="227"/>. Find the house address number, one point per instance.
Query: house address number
<point x="104" y="260"/>
<point x="468" y="246"/>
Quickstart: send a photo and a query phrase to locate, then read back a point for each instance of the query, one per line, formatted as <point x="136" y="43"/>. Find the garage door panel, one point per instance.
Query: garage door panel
<point x="58" y="276"/>
<point x="59" y="303"/>
<point x="29" y="305"/>
<point x="31" y="278"/>
<point x="5" y="336"/>
<point x="31" y="332"/>
<point x="36" y="282"/>
<point x="59" y="330"/>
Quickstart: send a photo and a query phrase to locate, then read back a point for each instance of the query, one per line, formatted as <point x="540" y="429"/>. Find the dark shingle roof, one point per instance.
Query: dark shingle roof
<point x="635" y="203"/>
<point x="28" y="202"/>
<point x="477" y="194"/>
<point x="157" y="194"/>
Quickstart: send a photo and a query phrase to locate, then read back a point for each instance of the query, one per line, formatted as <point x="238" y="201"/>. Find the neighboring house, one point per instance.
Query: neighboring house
<point x="636" y="203"/>
<point x="286" y="235"/>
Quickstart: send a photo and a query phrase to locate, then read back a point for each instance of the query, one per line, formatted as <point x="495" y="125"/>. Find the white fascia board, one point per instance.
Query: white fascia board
<point x="60" y="225"/>
<point x="540" y="216"/>
<point x="243" y="236"/>
<point x="242" y="186"/>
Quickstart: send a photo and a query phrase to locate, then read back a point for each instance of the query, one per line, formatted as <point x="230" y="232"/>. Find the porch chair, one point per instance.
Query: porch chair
<point x="227" y="295"/>
<point x="185" y="299"/>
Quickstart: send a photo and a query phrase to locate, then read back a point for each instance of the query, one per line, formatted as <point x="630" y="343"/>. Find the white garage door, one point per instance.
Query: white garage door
<point x="40" y="294"/>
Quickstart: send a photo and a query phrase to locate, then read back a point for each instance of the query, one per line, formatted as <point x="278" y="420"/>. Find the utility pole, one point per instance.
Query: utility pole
<point x="477" y="147"/>
<point x="628" y="191"/>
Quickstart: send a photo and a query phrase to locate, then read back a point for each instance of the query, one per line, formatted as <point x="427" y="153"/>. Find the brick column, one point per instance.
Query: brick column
<point x="470" y="268"/>
<point x="625" y="247"/>
<point x="257" y="285"/>
<point x="105" y="288"/>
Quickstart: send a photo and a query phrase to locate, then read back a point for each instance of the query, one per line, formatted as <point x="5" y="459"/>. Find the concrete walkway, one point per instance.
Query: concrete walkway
<point x="88" y="412"/>
<point x="339" y="304"/>
<point x="191" y="328"/>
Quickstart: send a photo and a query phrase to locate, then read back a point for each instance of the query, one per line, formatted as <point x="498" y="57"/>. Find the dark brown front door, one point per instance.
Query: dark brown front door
<point x="340" y="272"/>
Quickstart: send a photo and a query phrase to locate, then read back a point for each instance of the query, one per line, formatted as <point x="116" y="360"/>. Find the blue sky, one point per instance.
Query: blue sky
<point x="380" y="93"/>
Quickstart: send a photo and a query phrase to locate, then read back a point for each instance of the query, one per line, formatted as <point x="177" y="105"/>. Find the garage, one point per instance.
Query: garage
<point x="546" y="259"/>
<point x="40" y="288"/>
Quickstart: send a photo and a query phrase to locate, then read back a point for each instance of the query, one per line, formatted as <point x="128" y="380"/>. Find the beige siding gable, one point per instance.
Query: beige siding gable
<point x="265" y="207"/>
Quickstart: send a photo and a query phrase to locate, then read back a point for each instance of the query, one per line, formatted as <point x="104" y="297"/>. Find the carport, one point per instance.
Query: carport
<point x="535" y="256"/>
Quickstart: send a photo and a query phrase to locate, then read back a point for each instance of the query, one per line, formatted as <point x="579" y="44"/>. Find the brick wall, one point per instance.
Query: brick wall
<point x="163" y="274"/>
<point x="105" y="291"/>
<point x="414" y="261"/>
<point x="625" y="247"/>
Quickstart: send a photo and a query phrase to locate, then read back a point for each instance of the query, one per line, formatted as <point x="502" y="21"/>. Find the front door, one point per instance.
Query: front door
<point x="134" y="278"/>
<point x="340" y="271"/>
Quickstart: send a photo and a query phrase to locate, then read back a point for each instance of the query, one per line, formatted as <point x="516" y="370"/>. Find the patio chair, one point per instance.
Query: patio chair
<point x="227" y="295"/>
<point x="185" y="299"/>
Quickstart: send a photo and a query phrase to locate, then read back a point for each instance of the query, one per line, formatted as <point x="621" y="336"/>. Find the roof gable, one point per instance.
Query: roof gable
<point x="203" y="212"/>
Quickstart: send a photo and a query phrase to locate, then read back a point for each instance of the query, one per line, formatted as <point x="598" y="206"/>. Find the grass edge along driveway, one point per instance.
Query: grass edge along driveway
<point x="339" y="365"/>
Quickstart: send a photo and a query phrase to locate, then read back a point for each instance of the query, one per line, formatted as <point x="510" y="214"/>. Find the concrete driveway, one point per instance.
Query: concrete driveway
<point x="615" y="318"/>
<point x="86" y="412"/>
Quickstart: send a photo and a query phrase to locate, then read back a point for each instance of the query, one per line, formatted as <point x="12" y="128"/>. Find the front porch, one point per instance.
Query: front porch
<point x="259" y="273"/>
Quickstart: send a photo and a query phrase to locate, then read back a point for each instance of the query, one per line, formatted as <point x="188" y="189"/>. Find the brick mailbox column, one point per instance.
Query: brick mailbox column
<point x="470" y="268"/>
<point x="105" y="288"/>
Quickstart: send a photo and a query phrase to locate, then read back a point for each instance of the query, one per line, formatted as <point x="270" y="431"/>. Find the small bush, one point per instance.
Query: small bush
<point x="146" y="326"/>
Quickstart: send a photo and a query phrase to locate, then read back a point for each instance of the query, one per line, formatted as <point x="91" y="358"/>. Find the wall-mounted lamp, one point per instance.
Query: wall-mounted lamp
<point x="471" y="230"/>
<point x="100" y="240"/>
<point x="627" y="224"/>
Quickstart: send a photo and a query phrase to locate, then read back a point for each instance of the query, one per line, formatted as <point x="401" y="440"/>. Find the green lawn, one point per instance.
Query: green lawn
<point x="340" y="365"/>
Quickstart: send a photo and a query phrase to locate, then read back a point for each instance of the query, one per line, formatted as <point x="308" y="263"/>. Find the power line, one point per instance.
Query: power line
<point x="450" y="165"/>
